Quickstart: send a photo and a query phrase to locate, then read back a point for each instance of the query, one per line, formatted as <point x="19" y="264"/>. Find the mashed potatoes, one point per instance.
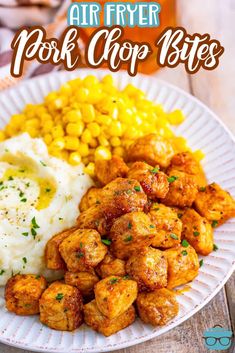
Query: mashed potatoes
<point x="39" y="197"/>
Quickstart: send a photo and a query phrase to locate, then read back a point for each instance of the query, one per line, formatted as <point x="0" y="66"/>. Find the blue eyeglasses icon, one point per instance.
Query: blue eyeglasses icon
<point x="218" y="338"/>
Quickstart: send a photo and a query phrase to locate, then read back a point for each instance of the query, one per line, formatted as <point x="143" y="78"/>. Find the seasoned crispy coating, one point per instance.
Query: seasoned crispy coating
<point x="158" y="307"/>
<point x="215" y="204"/>
<point x="182" y="190"/>
<point x="52" y="255"/>
<point x="183" y="265"/>
<point x="100" y="323"/>
<point x="198" y="232"/>
<point x="114" y="295"/>
<point x="148" y="268"/>
<point x="82" y="250"/>
<point x="22" y="294"/>
<point x="186" y="162"/>
<point x="130" y="233"/>
<point x="110" y="266"/>
<point x="91" y="197"/>
<point x="108" y="170"/>
<point x="153" y="181"/>
<point x="61" y="307"/>
<point x="152" y="149"/>
<point x="168" y="226"/>
<point x="84" y="281"/>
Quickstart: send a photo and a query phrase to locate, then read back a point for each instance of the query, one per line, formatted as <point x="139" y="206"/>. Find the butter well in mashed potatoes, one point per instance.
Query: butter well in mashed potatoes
<point x="39" y="197"/>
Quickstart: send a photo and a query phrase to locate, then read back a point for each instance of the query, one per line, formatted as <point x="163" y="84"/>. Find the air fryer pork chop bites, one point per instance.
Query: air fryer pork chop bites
<point x="90" y="198"/>
<point x="152" y="149"/>
<point x="183" y="265"/>
<point x="108" y="170"/>
<point x="153" y="181"/>
<point x="158" y="307"/>
<point x="100" y="323"/>
<point x="110" y="266"/>
<point x="168" y="226"/>
<point x="130" y="233"/>
<point x="148" y="268"/>
<point x="22" y="294"/>
<point x="198" y="232"/>
<point x="84" y="281"/>
<point x="114" y="295"/>
<point x="61" y="307"/>
<point x="82" y="250"/>
<point x="215" y="204"/>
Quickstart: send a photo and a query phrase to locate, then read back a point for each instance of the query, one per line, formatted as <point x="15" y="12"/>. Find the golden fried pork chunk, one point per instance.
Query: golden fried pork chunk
<point x="108" y="170"/>
<point x="182" y="190"/>
<point x="186" y="162"/>
<point x="215" y="204"/>
<point x="198" y="232"/>
<point x="61" y="307"/>
<point x="82" y="250"/>
<point x="148" y="268"/>
<point x="52" y="255"/>
<point x="130" y="233"/>
<point x="158" y="307"/>
<point x="152" y="149"/>
<point x="84" y="281"/>
<point x="91" y="197"/>
<point x="100" y="323"/>
<point x="110" y="266"/>
<point x="167" y="224"/>
<point x="183" y="265"/>
<point x="22" y="294"/>
<point x="114" y="295"/>
<point x="153" y="181"/>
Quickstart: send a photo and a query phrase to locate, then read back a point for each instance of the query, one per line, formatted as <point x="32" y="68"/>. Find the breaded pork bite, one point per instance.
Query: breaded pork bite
<point x="111" y="266"/>
<point x="22" y="294"/>
<point x="84" y="281"/>
<point x="61" y="307"/>
<point x="148" y="268"/>
<point x="91" y="197"/>
<point x="158" y="307"/>
<point x="82" y="250"/>
<point x="108" y="170"/>
<point x="114" y="295"/>
<point x="153" y="181"/>
<point x="100" y="323"/>
<point x="215" y="204"/>
<point x="183" y="265"/>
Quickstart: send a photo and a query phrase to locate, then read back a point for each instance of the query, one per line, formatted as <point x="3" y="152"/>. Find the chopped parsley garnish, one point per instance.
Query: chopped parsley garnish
<point x="23" y="200"/>
<point x="60" y="218"/>
<point x="2" y="187"/>
<point x="174" y="236"/>
<point x="81" y="245"/>
<point x="214" y="224"/>
<point x="128" y="192"/>
<point x="10" y="178"/>
<point x="25" y="234"/>
<point x="59" y="296"/>
<point x="201" y="262"/>
<point x="34" y="223"/>
<point x="129" y="226"/>
<point x="129" y="238"/>
<point x="196" y="234"/>
<point x="33" y="232"/>
<point x="1" y="272"/>
<point x="24" y="260"/>
<point x="1" y="183"/>
<point x="48" y="190"/>
<point x="152" y="226"/>
<point x="21" y="170"/>
<point x="21" y="194"/>
<point x="79" y="255"/>
<point x="97" y="202"/>
<point x="106" y="241"/>
<point x="185" y="244"/>
<point x="172" y="179"/>
<point x="215" y="247"/>
<point x="37" y="277"/>
<point x="27" y="185"/>
<point x="126" y="277"/>
<point x="203" y="188"/>
<point x="42" y="163"/>
<point x="113" y="280"/>
<point x="155" y="170"/>
<point x="180" y="215"/>
<point x="137" y="188"/>
<point x="184" y="253"/>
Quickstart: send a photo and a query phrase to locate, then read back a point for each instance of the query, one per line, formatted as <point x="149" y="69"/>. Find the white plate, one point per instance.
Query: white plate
<point x="203" y="130"/>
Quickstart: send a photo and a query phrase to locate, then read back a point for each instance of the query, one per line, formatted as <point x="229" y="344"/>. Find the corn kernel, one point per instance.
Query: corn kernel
<point x="75" y="129"/>
<point x="119" y="151"/>
<point x="176" y="117"/>
<point x="103" y="141"/>
<point x="90" y="81"/>
<point x="58" y="143"/>
<point x="48" y="125"/>
<point x="94" y="129"/>
<point x="115" y="141"/>
<point x="199" y="155"/>
<point x="93" y="143"/>
<point x="108" y="80"/>
<point x="2" y="135"/>
<point x="74" y="158"/>
<point x="17" y="119"/>
<point x="82" y="94"/>
<point x="102" y="153"/>
<point x="90" y="169"/>
<point x="57" y="131"/>
<point x="83" y="149"/>
<point x="115" y="129"/>
<point x="71" y="143"/>
<point x="86" y="136"/>
<point x="88" y="113"/>
<point x="73" y="116"/>
<point x="47" y="138"/>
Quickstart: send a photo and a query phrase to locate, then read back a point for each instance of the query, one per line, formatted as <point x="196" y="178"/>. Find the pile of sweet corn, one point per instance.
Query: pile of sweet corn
<point x="87" y="120"/>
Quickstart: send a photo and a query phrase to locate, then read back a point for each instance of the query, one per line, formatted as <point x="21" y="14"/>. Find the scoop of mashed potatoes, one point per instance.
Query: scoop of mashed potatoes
<point x="39" y="197"/>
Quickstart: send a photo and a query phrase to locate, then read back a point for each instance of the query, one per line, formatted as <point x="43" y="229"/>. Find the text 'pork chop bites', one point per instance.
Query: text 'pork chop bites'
<point x="108" y="170"/>
<point x="84" y="281"/>
<point x="61" y="307"/>
<point x="153" y="181"/>
<point x="130" y="233"/>
<point x="198" y="232"/>
<point x="183" y="190"/>
<point x="167" y="224"/>
<point x="152" y="149"/>
<point x="186" y="162"/>
<point x="158" y="307"/>
<point x="183" y="265"/>
<point x="114" y="295"/>
<point x="82" y="250"/>
<point x="215" y="204"/>
<point x="22" y="294"/>
<point x="53" y="258"/>
<point x="100" y="323"/>
<point x="110" y="266"/>
<point x="148" y="268"/>
<point x="91" y="197"/>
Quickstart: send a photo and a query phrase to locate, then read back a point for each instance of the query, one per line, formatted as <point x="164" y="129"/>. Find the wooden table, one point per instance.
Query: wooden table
<point x="216" y="89"/>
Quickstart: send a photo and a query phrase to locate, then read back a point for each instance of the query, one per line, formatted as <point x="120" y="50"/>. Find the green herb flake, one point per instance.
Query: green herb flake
<point x="37" y="277"/>
<point x="137" y="188"/>
<point x="215" y="247"/>
<point x="180" y="215"/>
<point x="25" y="234"/>
<point x="1" y="183"/>
<point x="60" y="219"/>
<point x="23" y="200"/>
<point x="79" y="255"/>
<point x="21" y="194"/>
<point x="33" y="232"/>
<point x="106" y="241"/>
<point x="126" y="277"/>
<point x="202" y="189"/>
<point x="201" y="262"/>
<point x="24" y="260"/>
<point x="97" y="202"/>
<point x="155" y="170"/>
<point x="185" y="244"/>
<point x="59" y="296"/>
<point x="1" y="272"/>
<point x="172" y="178"/>
<point x="113" y="280"/>
<point x="174" y="236"/>
<point x="214" y="224"/>
<point x="10" y="178"/>
<point x="48" y="190"/>
<point x="152" y="226"/>
<point x="129" y="226"/>
<point x="196" y="234"/>
<point x="184" y="253"/>
<point x="27" y="185"/>
<point x="129" y="238"/>
<point x="42" y="163"/>
<point x="34" y="223"/>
